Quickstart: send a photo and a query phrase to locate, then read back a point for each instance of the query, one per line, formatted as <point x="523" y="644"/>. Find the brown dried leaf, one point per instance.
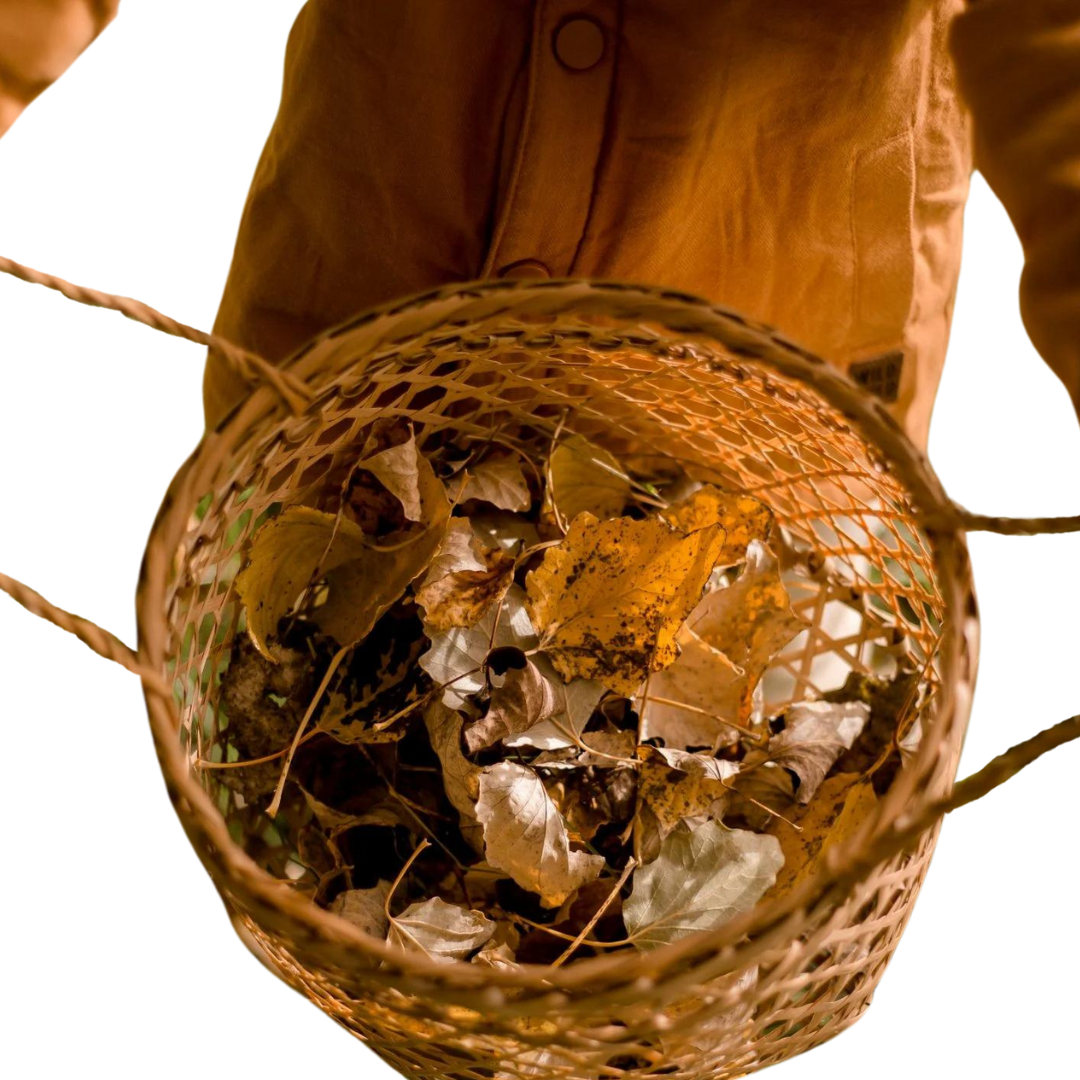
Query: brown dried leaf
<point x="574" y="704"/>
<point x="391" y="456"/>
<point x="706" y="687"/>
<point x="676" y="785"/>
<point x="522" y="698"/>
<point x="462" y="597"/>
<point x="611" y="597"/>
<point x="365" y="908"/>
<point x="841" y="806"/>
<point x="727" y="643"/>
<point x="443" y="931"/>
<point x="461" y="777"/>
<point x="456" y="658"/>
<point x="498" y="480"/>
<point x="591" y="796"/>
<point x="525" y="836"/>
<point x="797" y="759"/>
<point x="363" y="581"/>
<point x="585" y="478"/>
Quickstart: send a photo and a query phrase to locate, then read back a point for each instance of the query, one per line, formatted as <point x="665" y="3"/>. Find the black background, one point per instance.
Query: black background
<point x="129" y="175"/>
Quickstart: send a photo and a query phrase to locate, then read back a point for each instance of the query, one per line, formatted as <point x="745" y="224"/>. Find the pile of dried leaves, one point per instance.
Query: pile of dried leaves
<point x="511" y="693"/>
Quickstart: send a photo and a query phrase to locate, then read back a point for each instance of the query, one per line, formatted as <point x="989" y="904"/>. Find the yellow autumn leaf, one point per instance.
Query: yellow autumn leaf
<point x="840" y="808"/>
<point x="585" y="478"/>
<point x="743" y="519"/>
<point x="363" y="577"/>
<point x="608" y="601"/>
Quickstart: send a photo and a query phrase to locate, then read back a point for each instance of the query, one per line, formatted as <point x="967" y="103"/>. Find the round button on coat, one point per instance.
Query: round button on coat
<point x="579" y="43"/>
<point x="526" y="268"/>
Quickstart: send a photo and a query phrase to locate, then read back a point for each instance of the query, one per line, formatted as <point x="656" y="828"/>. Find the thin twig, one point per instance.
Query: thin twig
<point x="422" y="846"/>
<point x="748" y="732"/>
<point x="572" y="947"/>
<point x="275" y="803"/>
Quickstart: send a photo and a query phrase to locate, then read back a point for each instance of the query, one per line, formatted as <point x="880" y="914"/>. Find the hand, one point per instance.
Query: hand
<point x="39" y="40"/>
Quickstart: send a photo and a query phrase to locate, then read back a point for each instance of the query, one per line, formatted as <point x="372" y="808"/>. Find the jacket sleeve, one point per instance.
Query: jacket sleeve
<point x="1018" y="65"/>
<point x="39" y="40"/>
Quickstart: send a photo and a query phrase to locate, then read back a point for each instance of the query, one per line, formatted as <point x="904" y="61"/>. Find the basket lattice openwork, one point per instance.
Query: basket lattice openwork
<point x="644" y="373"/>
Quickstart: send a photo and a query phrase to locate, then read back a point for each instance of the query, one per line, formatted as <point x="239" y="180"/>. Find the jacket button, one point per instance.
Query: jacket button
<point x="526" y="268"/>
<point x="579" y="43"/>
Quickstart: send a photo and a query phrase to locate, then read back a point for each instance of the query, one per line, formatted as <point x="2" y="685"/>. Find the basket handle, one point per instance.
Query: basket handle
<point x="97" y="638"/>
<point x="248" y="366"/>
<point x="1009" y="526"/>
<point x="905" y="831"/>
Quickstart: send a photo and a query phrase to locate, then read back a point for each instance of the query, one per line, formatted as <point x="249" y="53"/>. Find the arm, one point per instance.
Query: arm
<point x="1018" y="64"/>
<point x="39" y="40"/>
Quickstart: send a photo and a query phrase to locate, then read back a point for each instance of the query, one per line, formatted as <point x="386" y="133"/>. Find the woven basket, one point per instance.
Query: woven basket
<point x="882" y="572"/>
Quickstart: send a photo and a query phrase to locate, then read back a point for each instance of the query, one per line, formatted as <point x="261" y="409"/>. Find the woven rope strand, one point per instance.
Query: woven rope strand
<point x="251" y="368"/>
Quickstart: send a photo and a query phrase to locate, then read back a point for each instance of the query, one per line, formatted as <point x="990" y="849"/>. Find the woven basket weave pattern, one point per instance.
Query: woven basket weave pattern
<point x="735" y="406"/>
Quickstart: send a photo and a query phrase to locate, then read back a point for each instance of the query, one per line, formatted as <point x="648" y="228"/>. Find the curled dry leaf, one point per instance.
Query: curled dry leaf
<point x="609" y="600"/>
<point x="835" y="814"/>
<point x="522" y="698"/>
<point x="585" y="478"/>
<point x="461" y="778"/>
<point x="702" y="878"/>
<point x="462" y="597"/>
<point x="677" y="785"/>
<point x="456" y="658"/>
<point x="797" y="759"/>
<point x="500" y="481"/>
<point x="445" y="932"/>
<point x="363" y="580"/>
<point x="525" y="836"/>
<point x="391" y="456"/>
<point x="364" y="908"/>
<point x="573" y="707"/>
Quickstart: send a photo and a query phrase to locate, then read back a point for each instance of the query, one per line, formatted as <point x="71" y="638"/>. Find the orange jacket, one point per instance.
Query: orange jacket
<point x="804" y="163"/>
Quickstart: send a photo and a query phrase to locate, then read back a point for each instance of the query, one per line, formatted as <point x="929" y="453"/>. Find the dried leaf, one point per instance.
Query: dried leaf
<point x="460" y="549"/>
<point x="363" y="580"/>
<point x="523" y="698"/>
<point x="705" y="687"/>
<point x="456" y="658"/>
<point x="365" y="908"/>
<point x="591" y="796"/>
<point x="604" y="749"/>
<point x="611" y="597"/>
<point x="797" y="759"/>
<point x="462" y="597"/>
<point x="728" y="640"/>
<point x="443" y="931"/>
<point x="676" y="785"/>
<point x="506" y="531"/>
<point x="498" y="480"/>
<point x="585" y="478"/>
<point x="702" y="878"/>
<point x="391" y="456"/>
<point x="336" y="719"/>
<point x="525" y="836"/>
<point x="751" y="619"/>
<point x="839" y="809"/>
<point x="285" y="554"/>
<point x="461" y="778"/>
<point x="743" y="519"/>
<point x="361" y="590"/>
<point x="500" y="950"/>
<point x="574" y="704"/>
